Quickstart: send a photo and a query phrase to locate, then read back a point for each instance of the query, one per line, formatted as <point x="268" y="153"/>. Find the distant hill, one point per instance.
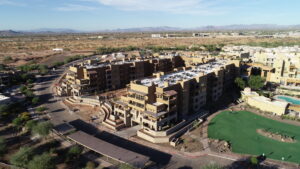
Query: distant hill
<point x="53" y="30"/>
<point x="209" y="28"/>
<point x="156" y="29"/>
<point x="146" y="29"/>
<point x="9" y="33"/>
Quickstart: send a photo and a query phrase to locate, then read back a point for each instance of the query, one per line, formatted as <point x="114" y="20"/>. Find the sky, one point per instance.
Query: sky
<point x="93" y="15"/>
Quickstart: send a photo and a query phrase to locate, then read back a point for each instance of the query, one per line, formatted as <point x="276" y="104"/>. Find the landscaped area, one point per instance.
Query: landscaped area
<point x="240" y="129"/>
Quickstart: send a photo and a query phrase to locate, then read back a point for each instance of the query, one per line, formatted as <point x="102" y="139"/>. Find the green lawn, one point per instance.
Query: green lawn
<point x="239" y="128"/>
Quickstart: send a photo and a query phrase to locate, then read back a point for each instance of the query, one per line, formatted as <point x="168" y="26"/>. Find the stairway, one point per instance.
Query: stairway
<point x="109" y="119"/>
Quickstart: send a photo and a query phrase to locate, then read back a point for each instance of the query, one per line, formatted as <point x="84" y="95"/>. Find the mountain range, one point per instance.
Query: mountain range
<point x="154" y="29"/>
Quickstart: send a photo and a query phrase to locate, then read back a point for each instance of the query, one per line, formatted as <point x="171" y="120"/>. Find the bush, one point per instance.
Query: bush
<point x="42" y="129"/>
<point x="23" y="89"/>
<point x="35" y="100"/>
<point x="4" y="110"/>
<point x="44" y="161"/>
<point x="30" y="124"/>
<point x="2" y="146"/>
<point x="25" y="116"/>
<point x="41" y="109"/>
<point x="90" y="165"/>
<point x="253" y="161"/>
<point x="29" y="93"/>
<point x="73" y="153"/>
<point x="43" y="69"/>
<point x="57" y="64"/>
<point x="18" y="122"/>
<point x="7" y="59"/>
<point x="22" y="157"/>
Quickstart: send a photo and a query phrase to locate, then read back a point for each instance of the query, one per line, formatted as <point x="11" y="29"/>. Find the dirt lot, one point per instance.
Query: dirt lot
<point x="39" y="48"/>
<point x="86" y="112"/>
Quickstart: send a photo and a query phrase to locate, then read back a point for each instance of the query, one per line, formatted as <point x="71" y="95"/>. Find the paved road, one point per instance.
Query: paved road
<point x="57" y="111"/>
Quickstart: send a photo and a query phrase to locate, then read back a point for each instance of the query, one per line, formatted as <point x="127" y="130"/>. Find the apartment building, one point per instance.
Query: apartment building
<point x="92" y="77"/>
<point x="163" y="102"/>
<point x="286" y="66"/>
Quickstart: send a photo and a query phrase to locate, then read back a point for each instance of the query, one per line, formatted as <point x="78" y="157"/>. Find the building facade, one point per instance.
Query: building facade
<point x="166" y="100"/>
<point x="286" y="66"/>
<point x="91" y="77"/>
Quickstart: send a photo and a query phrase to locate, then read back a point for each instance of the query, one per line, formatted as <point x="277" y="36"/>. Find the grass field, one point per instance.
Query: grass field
<point x="239" y="128"/>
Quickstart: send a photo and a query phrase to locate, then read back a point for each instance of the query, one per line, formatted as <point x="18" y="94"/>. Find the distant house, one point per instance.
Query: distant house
<point x="201" y="34"/>
<point x="58" y="49"/>
<point x="156" y="35"/>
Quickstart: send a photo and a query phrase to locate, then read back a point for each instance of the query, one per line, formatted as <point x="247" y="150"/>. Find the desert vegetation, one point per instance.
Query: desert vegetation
<point x="23" y="49"/>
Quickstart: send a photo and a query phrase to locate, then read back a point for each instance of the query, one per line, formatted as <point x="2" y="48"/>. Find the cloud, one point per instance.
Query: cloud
<point x="75" y="7"/>
<point x="11" y="3"/>
<point x="173" y="6"/>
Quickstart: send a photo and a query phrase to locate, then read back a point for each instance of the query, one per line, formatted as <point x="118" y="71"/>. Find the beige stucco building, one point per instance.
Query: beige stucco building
<point x="164" y="103"/>
<point x="263" y="103"/>
<point x="286" y="66"/>
<point x="91" y="76"/>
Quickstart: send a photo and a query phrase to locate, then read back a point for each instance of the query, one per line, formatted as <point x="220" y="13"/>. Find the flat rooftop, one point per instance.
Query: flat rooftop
<point x="120" y="62"/>
<point x="172" y="78"/>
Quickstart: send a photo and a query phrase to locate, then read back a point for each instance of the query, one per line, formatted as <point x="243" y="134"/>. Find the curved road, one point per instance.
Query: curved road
<point x="56" y="110"/>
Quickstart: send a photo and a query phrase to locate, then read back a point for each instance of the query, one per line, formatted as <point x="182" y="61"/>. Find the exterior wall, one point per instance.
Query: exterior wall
<point x="286" y="65"/>
<point x="267" y="106"/>
<point x="97" y="79"/>
<point x="158" y="108"/>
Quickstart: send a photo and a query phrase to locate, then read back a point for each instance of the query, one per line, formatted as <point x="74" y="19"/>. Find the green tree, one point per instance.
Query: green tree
<point x="43" y="69"/>
<point x="29" y="93"/>
<point x="256" y="82"/>
<point x="18" y="123"/>
<point x="73" y="153"/>
<point x="35" y="100"/>
<point x="25" y="116"/>
<point x="43" y="128"/>
<point x="3" y="147"/>
<point x="240" y="83"/>
<point x="253" y="161"/>
<point x="4" y="110"/>
<point x="41" y="109"/>
<point x="22" y="157"/>
<point x="30" y="124"/>
<point x="23" y="89"/>
<point x="44" y="161"/>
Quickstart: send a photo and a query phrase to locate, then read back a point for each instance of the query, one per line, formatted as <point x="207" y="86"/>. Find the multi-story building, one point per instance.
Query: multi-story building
<point x="286" y="66"/>
<point x="166" y="100"/>
<point x="92" y="77"/>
